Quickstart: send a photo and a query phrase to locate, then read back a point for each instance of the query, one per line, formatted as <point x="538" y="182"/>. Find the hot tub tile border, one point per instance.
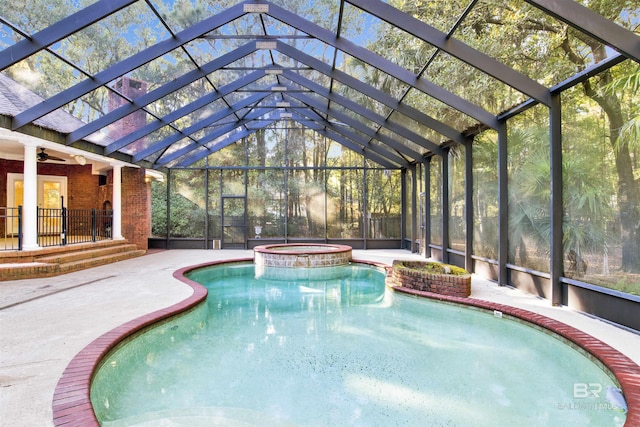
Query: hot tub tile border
<point x="72" y="403"/>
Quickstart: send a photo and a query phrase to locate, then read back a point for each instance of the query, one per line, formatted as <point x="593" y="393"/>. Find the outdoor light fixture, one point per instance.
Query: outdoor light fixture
<point x="279" y="88"/>
<point x="80" y="159"/>
<point x="256" y="8"/>
<point x="273" y="71"/>
<point x="285" y="115"/>
<point x="283" y="104"/>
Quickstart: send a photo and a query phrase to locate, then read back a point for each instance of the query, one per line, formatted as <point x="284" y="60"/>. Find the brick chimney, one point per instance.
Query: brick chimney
<point x="132" y="89"/>
<point x="136" y="201"/>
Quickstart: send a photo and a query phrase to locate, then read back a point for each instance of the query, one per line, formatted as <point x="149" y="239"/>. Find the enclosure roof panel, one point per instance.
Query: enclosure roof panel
<point x="167" y="83"/>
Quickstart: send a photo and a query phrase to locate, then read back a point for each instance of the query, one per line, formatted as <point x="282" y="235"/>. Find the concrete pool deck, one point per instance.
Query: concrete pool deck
<point x="45" y="322"/>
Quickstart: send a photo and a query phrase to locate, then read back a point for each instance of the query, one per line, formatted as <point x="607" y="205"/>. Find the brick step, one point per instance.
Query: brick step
<point x="16" y="271"/>
<point x="32" y="255"/>
<point x="50" y="262"/>
<point x="82" y="264"/>
<point x="78" y="255"/>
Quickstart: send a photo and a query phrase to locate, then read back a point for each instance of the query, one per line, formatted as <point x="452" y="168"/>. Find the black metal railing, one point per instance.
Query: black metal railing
<point x="50" y="227"/>
<point x="56" y="227"/>
<point x="65" y="226"/>
<point x="11" y="229"/>
<point x="88" y="225"/>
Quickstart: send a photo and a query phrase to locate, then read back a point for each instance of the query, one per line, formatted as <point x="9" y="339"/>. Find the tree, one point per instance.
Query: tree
<point x="92" y="50"/>
<point x="548" y="50"/>
<point x="562" y="49"/>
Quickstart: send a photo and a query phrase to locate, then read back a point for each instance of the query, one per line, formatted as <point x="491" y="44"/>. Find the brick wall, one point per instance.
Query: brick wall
<point x="83" y="192"/>
<point x="136" y="207"/>
<point x="409" y="275"/>
<point x="81" y="184"/>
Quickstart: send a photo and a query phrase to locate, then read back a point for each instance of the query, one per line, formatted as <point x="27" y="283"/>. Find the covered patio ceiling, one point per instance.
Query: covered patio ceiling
<point x="216" y="72"/>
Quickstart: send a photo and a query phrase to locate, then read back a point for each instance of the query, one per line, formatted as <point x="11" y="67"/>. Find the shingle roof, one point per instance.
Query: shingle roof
<point x="15" y="98"/>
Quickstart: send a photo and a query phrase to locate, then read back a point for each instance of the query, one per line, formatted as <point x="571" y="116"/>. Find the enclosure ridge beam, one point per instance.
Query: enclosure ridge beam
<point x="357" y="125"/>
<point x="368" y="154"/>
<point x="377" y="61"/>
<point x="368" y="147"/>
<point x="298" y="118"/>
<point x="371" y="92"/>
<point x="352" y="136"/>
<point x="364" y="112"/>
<point x="125" y="66"/>
<point x="60" y="30"/>
<point x="456" y="48"/>
<point x="383" y="139"/>
<point x="381" y="150"/>
<point x="362" y="145"/>
<point x="307" y="111"/>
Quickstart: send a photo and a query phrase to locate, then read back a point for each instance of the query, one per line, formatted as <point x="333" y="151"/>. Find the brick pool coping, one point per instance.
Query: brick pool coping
<point x="71" y="398"/>
<point x="72" y="402"/>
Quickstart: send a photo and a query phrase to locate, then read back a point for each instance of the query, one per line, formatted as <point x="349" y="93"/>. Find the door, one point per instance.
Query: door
<point x="234" y="229"/>
<point x="51" y="192"/>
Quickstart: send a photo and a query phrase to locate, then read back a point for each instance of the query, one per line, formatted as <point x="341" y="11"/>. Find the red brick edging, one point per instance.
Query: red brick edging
<point x="409" y="274"/>
<point x="71" y="398"/>
<point x="72" y="402"/>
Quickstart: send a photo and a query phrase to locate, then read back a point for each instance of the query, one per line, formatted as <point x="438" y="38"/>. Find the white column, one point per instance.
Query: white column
<point x="116" y="229"/>
<point x="30" y="199"/>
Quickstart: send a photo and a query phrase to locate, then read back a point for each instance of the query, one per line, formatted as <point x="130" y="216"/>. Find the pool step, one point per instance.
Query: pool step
<point x="48" y="262"/>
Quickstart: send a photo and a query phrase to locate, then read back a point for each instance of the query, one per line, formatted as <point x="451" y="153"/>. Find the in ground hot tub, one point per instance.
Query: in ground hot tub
<point x="301" y="255"/>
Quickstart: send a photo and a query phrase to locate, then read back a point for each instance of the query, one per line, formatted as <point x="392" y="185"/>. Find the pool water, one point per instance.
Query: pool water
<point x="341" y="350"/>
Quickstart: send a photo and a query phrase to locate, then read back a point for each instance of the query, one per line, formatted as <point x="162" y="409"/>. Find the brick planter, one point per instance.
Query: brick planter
<point x="416" y="275"/>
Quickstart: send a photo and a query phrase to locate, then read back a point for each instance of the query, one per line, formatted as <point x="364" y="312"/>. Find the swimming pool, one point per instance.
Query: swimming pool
<point x="343" y="350"/>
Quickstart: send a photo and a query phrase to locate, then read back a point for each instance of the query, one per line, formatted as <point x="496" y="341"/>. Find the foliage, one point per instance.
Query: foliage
<point x="431" y="267"/>
<point x="485" y="194"/>
<point x="628" y="83"/>
<point x="187" y="218"/>
<point x="548" y="51"/>
<point x="158" y="208"/>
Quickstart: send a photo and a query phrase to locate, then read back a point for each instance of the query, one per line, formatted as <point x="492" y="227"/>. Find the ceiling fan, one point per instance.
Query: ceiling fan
<point x="43" y="157"/>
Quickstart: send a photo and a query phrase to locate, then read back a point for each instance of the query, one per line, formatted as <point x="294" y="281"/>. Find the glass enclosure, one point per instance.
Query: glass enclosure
<point x="318" y="120"/>
<point x="296" y="201"/>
